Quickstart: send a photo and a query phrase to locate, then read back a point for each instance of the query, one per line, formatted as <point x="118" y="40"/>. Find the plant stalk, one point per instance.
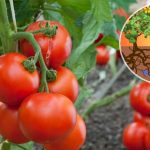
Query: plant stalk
<point x="38" y="55"/>
<point x="107" y="100"/>
<point x="5" y="30"/>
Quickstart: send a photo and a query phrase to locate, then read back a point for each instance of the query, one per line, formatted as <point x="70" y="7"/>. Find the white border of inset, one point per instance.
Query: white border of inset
<point x="121" y="46"/>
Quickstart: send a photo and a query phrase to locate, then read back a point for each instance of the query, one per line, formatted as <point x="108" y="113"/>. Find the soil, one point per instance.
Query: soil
<point x="105" y="126"/>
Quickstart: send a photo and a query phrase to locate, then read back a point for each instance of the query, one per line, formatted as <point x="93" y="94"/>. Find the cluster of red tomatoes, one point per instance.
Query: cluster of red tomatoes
<point x="136" y="136"/>
<point x="28" y="115"/>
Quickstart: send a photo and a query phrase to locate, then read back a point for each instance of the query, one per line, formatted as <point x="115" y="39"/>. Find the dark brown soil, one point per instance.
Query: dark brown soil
<point x="105" y="126"/>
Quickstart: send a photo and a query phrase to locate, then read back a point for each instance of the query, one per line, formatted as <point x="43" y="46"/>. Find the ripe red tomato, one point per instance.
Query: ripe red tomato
<point x="73" y="141"/>
<point x="99" y="38"/>
<point x="147" y="142"/>
<point x="16" y="82"/>
<point x="102" y="57"/>
<point x="139" y="98"/>
<point x="134" y="136"/>
<point x="65" y="84"/>
<point x="9" y="126"/>
<point x="121" y="12"/>
<point x="140" y="118"/>
<point x="47" y="117"/>
<point x="55" y="50"/>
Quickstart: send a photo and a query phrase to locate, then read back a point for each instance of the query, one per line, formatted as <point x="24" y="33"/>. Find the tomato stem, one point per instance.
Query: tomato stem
<point x="19" y="146"/>
<point x="29" y="64"/>
<point x="47" y="31"/>
<point x="51" y="75"/>
<point x="107" y="100"/>
<point x="5" y="30"/>
<point x="38" y="56"/>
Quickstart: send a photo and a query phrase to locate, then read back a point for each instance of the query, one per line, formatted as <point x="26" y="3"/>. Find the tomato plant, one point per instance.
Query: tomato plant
<point x="102" y="56"/>
<point x="56" y="40"/>
<point x="46" y="117"/>
<point x="71" y="142"/>
<point x="59" y="46"/>
<point x="9" y="126"/>
<point x="139" y="98"/>
<point x="65" y="84"/>
<point x="16" y="82"/>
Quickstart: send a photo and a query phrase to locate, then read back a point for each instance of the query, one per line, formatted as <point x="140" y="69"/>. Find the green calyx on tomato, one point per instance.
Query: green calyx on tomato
<point x="47" y="30"/>
<point x="29" y="64"/>
<point x="51" y="75"/>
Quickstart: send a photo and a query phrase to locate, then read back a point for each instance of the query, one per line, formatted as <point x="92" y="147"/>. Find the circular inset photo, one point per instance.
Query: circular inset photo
<point x="135" y="43"/>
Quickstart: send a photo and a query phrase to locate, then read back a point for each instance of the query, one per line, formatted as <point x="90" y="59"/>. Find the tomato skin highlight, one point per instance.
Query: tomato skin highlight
<point x="139" y="96"/>
<point x="47" y="117"/>
<point x="102" y="57"/>
<point x="134" y="136"/>
<point x="16" y="82"/>
<point x="9" y="125"/>
<point x="73" y="141"/>
<point x="65" y="84"/>
<point x="55" y="50"/>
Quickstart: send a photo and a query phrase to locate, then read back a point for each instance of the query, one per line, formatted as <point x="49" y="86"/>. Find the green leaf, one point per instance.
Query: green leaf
<point x="85" y="62"/>
<point x="76" y="8"/>
<point x="111" y="41"/>
<point x="74" y="29"/>
<point x="84" y="93"/>
<point x="83" y="57"/>
<point x="6" y="146"/>
<point x="25" y="10"/>
<point x="109" y="29"/>
<point x="27" y="146"/>
<point x="119" y="21"/>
